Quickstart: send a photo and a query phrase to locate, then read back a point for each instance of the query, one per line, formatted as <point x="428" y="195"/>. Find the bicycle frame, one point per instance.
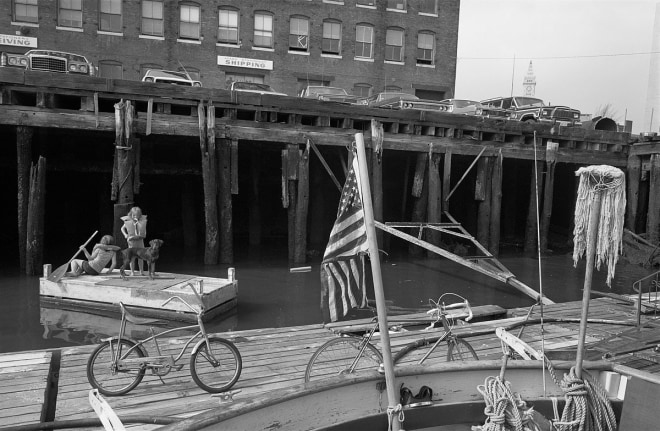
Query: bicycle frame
<point x="366" y="339"/>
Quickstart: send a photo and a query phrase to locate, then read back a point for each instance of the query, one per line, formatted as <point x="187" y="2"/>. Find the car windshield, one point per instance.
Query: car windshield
<point x="328" y="90"/>
<point x="529" y="101"/>
<point x="168" y="73"/>
<point x="251" y="86"/>
<point x="464" y="103"/>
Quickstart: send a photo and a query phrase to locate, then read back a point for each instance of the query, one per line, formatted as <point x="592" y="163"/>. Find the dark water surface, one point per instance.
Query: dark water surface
<point x="271" y="296"/>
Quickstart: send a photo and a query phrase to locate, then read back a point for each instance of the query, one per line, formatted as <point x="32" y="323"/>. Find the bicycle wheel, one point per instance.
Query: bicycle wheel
<point x="336" y="356"/>
<point x="460" y="350"/>
<point x="103" y="374"/>
<point x="218" y="371"/>
<point x="413" y="353"/>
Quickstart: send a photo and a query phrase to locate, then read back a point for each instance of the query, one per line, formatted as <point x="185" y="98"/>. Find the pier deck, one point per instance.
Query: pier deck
<point x="52" y="385"/>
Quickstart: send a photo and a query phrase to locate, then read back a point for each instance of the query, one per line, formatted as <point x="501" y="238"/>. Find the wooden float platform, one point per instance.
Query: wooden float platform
<point x="146" y="297"/>
<point x="52" y="385"/>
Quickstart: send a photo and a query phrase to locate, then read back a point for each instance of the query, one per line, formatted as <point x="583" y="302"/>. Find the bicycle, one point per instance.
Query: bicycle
<point x="345" y="355"/>
<point x="118" y="364"/>
<point x="458" y="349"/>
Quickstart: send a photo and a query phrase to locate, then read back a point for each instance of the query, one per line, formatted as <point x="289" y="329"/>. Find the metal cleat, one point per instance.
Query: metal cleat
<point x="226" y="397"/>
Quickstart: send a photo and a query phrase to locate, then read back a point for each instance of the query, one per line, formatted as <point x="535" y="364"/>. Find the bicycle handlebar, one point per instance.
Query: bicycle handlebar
<point x="441" y="308"/>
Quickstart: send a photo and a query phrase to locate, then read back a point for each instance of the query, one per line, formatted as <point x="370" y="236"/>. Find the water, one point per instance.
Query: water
<point x="271" y="296"/>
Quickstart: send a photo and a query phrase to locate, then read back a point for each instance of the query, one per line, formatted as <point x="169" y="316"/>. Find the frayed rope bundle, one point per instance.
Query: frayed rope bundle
<point x="611" y="182"/>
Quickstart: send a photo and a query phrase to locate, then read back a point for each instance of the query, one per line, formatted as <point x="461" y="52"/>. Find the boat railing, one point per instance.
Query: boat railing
<point x="647" y="294"/>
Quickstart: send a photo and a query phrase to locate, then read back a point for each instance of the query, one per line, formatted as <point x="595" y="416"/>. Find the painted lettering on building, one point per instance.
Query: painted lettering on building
<point x="12" y="40"/>
<point x="251" y="63"/>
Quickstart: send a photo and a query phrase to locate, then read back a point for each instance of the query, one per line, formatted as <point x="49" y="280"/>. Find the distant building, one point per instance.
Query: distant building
<point x="363" y="46"/>
<point x="529" y="82"/>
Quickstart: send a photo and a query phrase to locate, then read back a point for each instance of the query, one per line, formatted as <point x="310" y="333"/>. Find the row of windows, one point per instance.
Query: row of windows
<point x="152" y="17"/>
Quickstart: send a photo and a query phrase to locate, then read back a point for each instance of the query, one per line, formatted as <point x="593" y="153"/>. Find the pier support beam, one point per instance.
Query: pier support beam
<point x="228" y="165"/>
<point x="634" y="169"/>
<point x="35" y="221"/>
<point x="496" y="205"/>
<point x="254" y="222"/>
<point x="653" y="215"/>
<point x="23" y="157"/>
<point x="376" y="171"/>
<point x="302" y="206"/>
<point x="434" y="205"/>
<point x="482" y="194"/>
<point x="531" y="226"/>
<point x="209" y="166"/>
<point x="290" y="159"/>
<point x="420" y="199"/>
<point x="548" y="194"/>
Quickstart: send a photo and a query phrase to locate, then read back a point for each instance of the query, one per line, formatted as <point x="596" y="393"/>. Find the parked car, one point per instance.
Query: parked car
<point x="463" y="106"/>
<point x="254" y="87"/>
<point x="396" y="100"/>
<point x="532" y="110"/>
<point x="49" y="61"/>
<point x="170" y="77"/>
<point x="330" y="94"/>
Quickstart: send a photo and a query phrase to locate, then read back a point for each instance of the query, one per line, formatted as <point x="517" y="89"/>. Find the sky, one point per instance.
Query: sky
<point x="585" y="54"/>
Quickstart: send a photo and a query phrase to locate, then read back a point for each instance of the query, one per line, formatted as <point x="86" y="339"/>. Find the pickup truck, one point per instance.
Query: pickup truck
<point x="254" y="87"/>
<point x="533" y="110"/>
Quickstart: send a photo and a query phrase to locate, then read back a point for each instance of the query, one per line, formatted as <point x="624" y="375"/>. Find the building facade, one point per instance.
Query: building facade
<point x="363" y="46"/>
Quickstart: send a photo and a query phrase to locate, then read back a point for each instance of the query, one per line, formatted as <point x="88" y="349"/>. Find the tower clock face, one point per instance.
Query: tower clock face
<point x="528" y="88"/>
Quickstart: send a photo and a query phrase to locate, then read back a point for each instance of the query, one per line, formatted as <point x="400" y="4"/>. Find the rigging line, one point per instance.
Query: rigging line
<point x="538" y="253"/>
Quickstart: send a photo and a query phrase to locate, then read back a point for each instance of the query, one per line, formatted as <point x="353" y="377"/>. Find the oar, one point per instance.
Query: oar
<point x="56" y="275"/>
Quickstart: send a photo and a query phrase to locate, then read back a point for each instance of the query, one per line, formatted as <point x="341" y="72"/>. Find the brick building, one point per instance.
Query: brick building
<point x="364" y="46"/>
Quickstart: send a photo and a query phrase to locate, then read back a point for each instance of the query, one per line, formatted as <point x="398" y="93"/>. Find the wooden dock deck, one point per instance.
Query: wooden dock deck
<point x="52" y="385"/>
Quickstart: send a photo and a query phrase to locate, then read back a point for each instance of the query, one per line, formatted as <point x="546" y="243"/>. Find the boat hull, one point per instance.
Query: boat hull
<point x="360" y="401"/>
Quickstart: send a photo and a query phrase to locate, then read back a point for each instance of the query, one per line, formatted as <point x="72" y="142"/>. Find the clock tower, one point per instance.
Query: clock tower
<point x="529" y="82"/>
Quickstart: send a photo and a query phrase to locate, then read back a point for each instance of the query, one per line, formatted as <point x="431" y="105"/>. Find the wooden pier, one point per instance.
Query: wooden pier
<point x="210" y="132"/>
<point x="51" y="385"/>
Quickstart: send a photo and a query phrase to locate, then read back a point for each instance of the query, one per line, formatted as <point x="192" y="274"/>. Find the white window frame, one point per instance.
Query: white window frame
<point x="115" y="11"/>
<point x="363" y="41"/>
<point x="327" y="36"/>
<point x="187" y="18"/>
<point x="29" y="10"/>
<point x="424" y="59"/>
<point x="435" y="8"/>
<point x="228" y="25"/>
<point x="152" y="18"/>
<point x="263" y="29"/>
<point x="69" y="7"/>
<point x="389" y="33"/>
<point x="299" y="34"/>
<point x="397" y="3"/>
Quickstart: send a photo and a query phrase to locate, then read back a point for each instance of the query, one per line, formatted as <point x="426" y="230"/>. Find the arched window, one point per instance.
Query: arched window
<point x="331" y="43"/>
<point x="364" y="41"/>
<point x="425" y="48"/>
<point x="299" y="34"/>
<point x="228" y="31"/>
<point x="110" y="69"/>
<point x="263" y="30"/>
<point x="362" y="90"/>
<point x="110" y="16"/>
<point x="394" y="44"/>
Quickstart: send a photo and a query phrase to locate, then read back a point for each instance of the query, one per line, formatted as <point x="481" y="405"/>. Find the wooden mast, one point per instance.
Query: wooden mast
<point x="377" y="278"/>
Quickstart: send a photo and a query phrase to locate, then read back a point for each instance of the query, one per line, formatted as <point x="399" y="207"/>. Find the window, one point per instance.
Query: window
<point x="152" y="17"/>
<point x="189" y="22"/>
<point x="299" y="34"/>
<point x="228" y="26"/>
<point x="235" y="77"/>
<point x="110" y="15"/>
<point x="428" y="6"/>
<point x="366" y="3"/>
<point x="394" y="45"/>
<point x="69" y="13"/>
<point x="263" y="30"/>
<point x="396" y="4"/>
<point x="110" y="69"/>
<point x="362" y="90"/>
<point x="425" y="48"/>
<point x="26" y="11"/>
<point x="331" y="43"/>
<point x="364" y="36"/>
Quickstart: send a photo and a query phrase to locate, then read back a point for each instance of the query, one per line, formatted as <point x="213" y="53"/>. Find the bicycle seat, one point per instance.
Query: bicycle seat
<point x="139" y="320"/>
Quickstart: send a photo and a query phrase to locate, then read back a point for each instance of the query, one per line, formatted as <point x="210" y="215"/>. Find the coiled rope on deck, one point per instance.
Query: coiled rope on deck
<point x="587" y="406"/>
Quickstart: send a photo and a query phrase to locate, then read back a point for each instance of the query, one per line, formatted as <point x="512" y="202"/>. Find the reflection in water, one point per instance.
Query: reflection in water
<point x="269" y="295"/>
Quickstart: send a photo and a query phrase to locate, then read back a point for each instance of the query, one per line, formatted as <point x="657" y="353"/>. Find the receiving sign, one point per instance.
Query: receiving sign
<point x="14" y="40"/>
<point x="251" y="63"/>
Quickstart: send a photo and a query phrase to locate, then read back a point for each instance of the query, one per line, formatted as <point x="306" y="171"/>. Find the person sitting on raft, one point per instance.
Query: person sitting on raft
<point x="102" y="253"/>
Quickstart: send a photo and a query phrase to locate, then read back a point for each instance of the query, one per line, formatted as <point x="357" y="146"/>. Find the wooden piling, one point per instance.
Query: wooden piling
<point x="634" y="168"/>
<point x="209" y="169"/>
<point x="446" y="180"/>
<point x="123" y="188"/>
<point x="536" y="178"/>
<point x="293" y="158"/>
<point x="254" y="212"/>
<point x="434" y="205"/>
<point x="653" y="215"/>
<point x="420" y="199"/>
<point x="376" y="171"/>
<point x="23" y="157"/>
<point x="548" y="193"/>
<point x="35" y="220"/>
<point x="496" y="205"/>
<point x="302" y="206"/>
<point x="482" y="195"/>
<point x="227" y="147"/>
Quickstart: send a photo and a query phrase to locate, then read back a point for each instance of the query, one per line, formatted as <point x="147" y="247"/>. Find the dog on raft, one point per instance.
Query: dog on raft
<point x="148" y="254"/>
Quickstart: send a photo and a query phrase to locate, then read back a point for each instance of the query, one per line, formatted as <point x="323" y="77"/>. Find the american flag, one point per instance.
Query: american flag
<point x="342" y="269"/>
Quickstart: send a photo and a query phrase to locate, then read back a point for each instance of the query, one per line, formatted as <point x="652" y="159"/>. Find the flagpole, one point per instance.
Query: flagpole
<point x="381" y="309"/>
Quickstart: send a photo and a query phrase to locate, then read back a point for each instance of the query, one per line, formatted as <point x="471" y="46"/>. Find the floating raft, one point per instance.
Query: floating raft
<point x="147" y="297"/>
